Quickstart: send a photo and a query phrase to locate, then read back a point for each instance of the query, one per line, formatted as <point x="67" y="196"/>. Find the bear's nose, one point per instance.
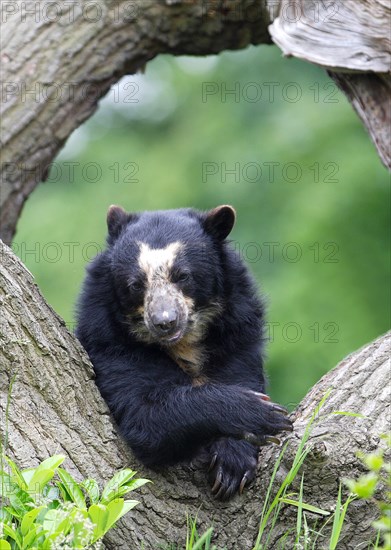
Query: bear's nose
<point x="165" y="321"/>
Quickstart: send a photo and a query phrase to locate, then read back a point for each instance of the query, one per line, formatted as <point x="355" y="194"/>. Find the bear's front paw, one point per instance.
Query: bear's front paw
<point x="268" y="420"/>
<point x="233" y="464"/>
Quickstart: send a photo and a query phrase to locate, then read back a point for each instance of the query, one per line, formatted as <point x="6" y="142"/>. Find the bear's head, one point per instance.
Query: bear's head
<point x="167" y="268"/>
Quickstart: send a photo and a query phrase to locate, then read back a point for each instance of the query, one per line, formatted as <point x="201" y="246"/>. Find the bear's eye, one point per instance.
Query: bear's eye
<point x="181" y="277"/>
<point x="136" y="286"/>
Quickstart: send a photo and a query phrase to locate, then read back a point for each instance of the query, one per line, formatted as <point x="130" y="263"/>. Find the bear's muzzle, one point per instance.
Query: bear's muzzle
<point x="166" y="314"/>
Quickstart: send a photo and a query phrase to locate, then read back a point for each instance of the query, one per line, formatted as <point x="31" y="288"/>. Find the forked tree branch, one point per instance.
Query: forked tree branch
<point x="55" y="407"/>
<point x="59" y="58"/>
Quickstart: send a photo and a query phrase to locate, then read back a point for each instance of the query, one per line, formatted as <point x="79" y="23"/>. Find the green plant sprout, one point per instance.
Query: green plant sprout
<point x="366" y="486"/>
<point x="37" y="513"/>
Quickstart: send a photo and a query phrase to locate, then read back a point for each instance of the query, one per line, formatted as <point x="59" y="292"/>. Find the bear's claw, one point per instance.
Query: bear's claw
<point x="234" y="464"/>
<point x="272" y="439"/>
<point x="244" y="481"/>
<point x="212" y="462"/>
<point x="218" y="480"/>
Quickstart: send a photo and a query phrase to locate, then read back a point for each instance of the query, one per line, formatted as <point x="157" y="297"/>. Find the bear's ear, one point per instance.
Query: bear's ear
<point x="220" y="221"/>
<point x="117" y="218"/>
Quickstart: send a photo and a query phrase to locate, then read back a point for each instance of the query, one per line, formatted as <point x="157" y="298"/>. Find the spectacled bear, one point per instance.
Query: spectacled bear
<point x="170" y="318"/>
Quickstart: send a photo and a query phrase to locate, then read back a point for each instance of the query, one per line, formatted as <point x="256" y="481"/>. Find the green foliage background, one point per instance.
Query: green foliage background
<point x="326" y="208"/>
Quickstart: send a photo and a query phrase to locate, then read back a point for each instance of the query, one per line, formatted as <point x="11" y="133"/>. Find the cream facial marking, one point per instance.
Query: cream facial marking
<point x="188" y="352"/>
<point x="157" y="262"/>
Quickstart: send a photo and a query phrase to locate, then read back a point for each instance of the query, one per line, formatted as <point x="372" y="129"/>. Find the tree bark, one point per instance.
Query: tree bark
<point x="370" y="95"/>
<point x="55" y="407"/>
<point x="59" y="58"/>
<point x="342" y="35"/>
<point x="345" y="36"/>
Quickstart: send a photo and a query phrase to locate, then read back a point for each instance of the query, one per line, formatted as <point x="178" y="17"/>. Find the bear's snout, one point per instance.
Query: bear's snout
<point x="164" y="319"/>
<point x="166" y="315"/>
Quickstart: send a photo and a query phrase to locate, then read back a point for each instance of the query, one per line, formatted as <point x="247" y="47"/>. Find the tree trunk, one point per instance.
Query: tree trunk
<point x="59" y="58"/>
<point x="55" y="407"/>
<point x="345" y="36"/>
<point x="370" y="95"/>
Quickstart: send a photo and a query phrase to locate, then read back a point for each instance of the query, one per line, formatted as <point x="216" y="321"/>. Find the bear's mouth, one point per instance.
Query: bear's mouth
<point x="175" y="337"/>
<point x="169" y="339"/>
<point x="144" y="331"/>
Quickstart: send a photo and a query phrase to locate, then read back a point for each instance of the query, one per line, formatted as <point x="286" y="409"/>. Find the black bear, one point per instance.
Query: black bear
<point x="170" y="318"/>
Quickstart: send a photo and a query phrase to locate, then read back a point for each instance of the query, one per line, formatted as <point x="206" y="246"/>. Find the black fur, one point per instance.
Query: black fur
<point x="163" y="416"/>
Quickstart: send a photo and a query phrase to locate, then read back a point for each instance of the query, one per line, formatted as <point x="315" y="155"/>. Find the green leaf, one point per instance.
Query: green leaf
<point x="92" y="489"/>
<point x="58" y="520"/>
<point x="305" y="506"/>
<point x="364" y="486"/>
<point x="382" y="524"/>
<point x="131" y="486"/>
<point x="82" y="535"/>
<point x="50" y="521"/>
<point x="28" y="520"/>
<point x="17" y="474"/>
<point x="385" y="507"/>
<point x="373" y="461"/>
<point x="31" y="536"/>
<point x="51" y="463"/>
<point x="299" y="509"/>
<point x="72" y="488"/>
<point x="10" y="514"/>
<point x="21" y="503"/>
<point x="202" y="541"/>
<point x="111" y="489"/>
<point x="5" y="516"/>
<point x="28" y="474"/>
<point x="4" y="545"/>
<point x="39" y="480"/>
<point x="339" y="518"/>
<point x="52" y="494"/>
<point x="116" y="509"/>
<point x="47" y="544"/>
<point x="12" y="534"/>
<point x="98" y="514"/>
<point x="64" y="493"/>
